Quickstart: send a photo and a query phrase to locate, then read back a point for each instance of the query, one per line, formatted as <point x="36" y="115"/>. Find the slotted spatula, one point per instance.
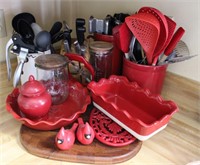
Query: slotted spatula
<point x="146" y="28"/>
<point x="163" y="28"/>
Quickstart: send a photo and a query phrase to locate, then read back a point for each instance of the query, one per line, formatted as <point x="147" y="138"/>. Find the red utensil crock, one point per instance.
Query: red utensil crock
<point x="147" y="76"/>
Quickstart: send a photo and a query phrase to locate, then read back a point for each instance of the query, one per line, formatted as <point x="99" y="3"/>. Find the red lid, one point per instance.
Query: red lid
<point x="32" y="87"/>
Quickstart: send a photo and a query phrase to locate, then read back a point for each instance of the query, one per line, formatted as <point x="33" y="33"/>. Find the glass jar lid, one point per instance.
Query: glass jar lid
<point x="51" y="61"/>
<point x="101" y="46"/>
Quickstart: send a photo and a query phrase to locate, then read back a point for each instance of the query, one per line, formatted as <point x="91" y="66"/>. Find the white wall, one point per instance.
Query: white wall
<point x="185" y="12"/>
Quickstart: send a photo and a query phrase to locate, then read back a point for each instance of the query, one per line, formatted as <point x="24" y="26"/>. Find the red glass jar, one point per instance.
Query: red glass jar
<point x="101" y="58"/>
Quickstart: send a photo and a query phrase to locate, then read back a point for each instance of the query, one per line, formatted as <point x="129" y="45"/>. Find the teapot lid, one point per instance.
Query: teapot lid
<point x="32" y="87"/>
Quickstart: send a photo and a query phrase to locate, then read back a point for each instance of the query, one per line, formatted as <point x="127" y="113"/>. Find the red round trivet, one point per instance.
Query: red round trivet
<point x="109" y="132"/>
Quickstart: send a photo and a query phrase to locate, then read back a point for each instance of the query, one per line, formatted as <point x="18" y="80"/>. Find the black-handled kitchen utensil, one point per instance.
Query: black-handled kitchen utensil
<point x="26" y="31"/>
<point x="57" y="26"/>
<point x="18" y="43"/>
<point x="80" y="22"/>
<point x="80" y="30"/>
<point x="67" y="33"/>
<point x="28" y="17"/>
<point x="137" y="51"/>
<point x="80" y="35"/>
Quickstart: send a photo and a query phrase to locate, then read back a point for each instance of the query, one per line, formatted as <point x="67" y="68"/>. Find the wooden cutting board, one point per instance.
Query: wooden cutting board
<point x="41" y="143"/>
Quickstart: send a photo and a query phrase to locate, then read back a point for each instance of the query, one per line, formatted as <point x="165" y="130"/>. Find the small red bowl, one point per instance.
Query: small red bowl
<point x="135" y="109"/>
<point x="59" y="115"/>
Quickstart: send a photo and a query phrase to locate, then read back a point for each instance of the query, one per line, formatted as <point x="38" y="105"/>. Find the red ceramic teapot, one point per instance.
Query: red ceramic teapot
<point x="34" y="101"/>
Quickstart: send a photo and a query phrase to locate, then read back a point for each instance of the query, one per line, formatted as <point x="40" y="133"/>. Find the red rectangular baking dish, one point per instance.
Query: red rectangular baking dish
<point x="135" y="109"/>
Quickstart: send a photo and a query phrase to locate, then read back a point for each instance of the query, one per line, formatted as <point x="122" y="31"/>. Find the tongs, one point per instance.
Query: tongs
<point x="21" y="49"/>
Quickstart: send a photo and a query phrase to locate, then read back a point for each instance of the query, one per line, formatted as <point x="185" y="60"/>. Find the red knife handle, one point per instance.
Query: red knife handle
<point x="175" y="39"/>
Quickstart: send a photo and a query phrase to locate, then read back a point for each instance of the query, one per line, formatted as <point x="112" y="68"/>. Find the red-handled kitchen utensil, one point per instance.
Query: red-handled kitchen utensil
<point x="171" y="29"/>
<point x="175" y="39"/>
<point x="146" y="28"/>
<point x="123" y="36"/>
<point x="163" y="28"/>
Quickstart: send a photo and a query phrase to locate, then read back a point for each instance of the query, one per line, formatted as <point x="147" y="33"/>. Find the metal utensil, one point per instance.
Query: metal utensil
<point x="180" y="59"/>
<point x="36" y="28"/>
<point x="8" y="64"/>
<point x="21" y="59"/>
<point x="181" y="49"/>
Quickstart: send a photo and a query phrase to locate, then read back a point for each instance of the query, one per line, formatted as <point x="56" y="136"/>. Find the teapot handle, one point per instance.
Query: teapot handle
<point x="81" y="59"/>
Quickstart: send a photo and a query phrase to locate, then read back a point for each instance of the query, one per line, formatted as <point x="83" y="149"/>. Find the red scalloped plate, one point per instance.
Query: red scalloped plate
<point x="59" y="115"/>
<point x="109" y="132"/>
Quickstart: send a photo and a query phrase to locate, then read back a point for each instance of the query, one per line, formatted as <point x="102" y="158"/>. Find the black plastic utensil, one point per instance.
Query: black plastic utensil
<point x="80" y="30"/>
<point x="57" y="26"/>
<point x="28" y="17"/>
<point x="19" y="43"/>
<point x="25" y="30"/>
<point x="80" y="22"/>
<point x="80" y="35"/>
<point x="43" y="41"/>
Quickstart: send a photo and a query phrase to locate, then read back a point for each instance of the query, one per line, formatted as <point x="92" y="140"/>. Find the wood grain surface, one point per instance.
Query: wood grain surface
<point x="177" y="144"/>
<point x="41" y="143"/>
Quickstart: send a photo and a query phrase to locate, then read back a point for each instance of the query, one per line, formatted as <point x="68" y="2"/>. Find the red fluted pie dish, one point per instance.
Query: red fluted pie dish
<point x="58" y="115"/>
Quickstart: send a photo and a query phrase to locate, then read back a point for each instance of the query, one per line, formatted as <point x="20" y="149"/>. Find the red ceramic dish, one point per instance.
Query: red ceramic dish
<point x="137" y="110"/>
<point x="59" y="115"/>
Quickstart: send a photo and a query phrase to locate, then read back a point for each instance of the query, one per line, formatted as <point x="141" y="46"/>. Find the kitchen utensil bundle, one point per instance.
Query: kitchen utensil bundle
<point x="145" y="27"/>
<point x="154" y="34"/>
<point x="30" y="40"/>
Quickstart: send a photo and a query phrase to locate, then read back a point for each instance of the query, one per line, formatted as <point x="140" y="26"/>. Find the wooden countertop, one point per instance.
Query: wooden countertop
<point x="177" y="144"/>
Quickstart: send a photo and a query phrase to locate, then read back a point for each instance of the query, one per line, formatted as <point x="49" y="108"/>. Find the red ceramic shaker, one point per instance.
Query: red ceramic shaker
<point x="85" y="133"/>
<point x="65" y="138"/>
